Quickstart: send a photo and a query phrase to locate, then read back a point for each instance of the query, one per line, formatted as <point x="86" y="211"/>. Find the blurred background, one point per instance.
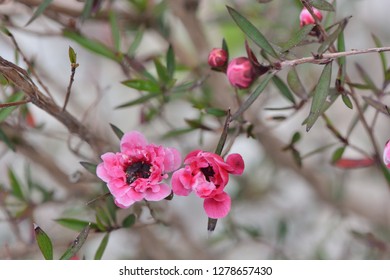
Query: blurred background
<point x="279" y="209"/>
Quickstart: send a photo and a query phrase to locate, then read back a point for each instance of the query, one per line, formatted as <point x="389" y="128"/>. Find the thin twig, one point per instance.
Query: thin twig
<point x="71" y="80"/>
<point x="17" y="103"/>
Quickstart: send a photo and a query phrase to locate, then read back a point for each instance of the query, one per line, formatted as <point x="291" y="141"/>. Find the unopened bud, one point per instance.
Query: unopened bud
<point x="386" y="154"/>
<point x="218" y="58"/>
<point x="240" y="72"/>
<point x="306" y="18"/>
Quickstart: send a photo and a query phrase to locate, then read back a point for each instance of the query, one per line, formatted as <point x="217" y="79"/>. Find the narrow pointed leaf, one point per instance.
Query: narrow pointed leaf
<point x="337" y="155"/>
<point x="252" y="32"/>
<point x="298" y="37"/>
<point x="296" y="137"/>
<point x="322" y="5"/>
<point x="102" y="247"/>
<point x="119" y="133"/>
<point x="253" y="96"/>
<point x="162" y="71"/>
<point x="332" y="37"/>
<point x="216" y="112"/>
<point x="129" y="221"/>
<point x="87" y="10"/>
<point x="15" y="185"/>
<point x="41" y="8"/>
<point x="342" y="61"/>
<point x="5" y="112"/>
<point x="295" y="84"/>
<point x="320" y="94"/>
<point x="139" y="100"/>
<point x="72" y="55"/>
<point x="382" y="55"/>
<point x="91" y="167"/>
<point x="136" y="42"/>
<point x="4" y="138"/>
<point x="116" y="35"/>
<point x="377" y="105"/>
<point x="44" y="243"/>
<point x="170" y="62"/>
<point x="284" y="90"/>
<point x="225" y="47"/>
<point x="92" y="45"/>
<point x="76" y="244"/>
<point x="142" y="85"/>
<point x="367" y="79"/>
<point x="75" y="224"/>
<point x="347" y="101"/>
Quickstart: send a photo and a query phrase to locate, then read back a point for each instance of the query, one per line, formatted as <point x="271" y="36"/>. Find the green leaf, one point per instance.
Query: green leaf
<point x="252" y="32"/>
<point x="171" y="62"/>
<point x="295" y="84"/>
<point x="142" y="85"/>
<point x="6" y="140"/>
<point x="322" y="5"/>
<point x="102" y="247"/>
<point x="87" y="10"/>
<point x="75" y="224"/>
<point x="136" y="42"/>
<point x="216" y="112"/>
<point x="319" y="98"/>
<point x="5" y="112"/>
<point x="367" y="79"/>
<point x="225" y="47"/>
<point x="284" y="90"/>
<point x="76" y="244"/>
<point x="116" y="35"/>
<point x="253" y="96"/>
<point x="177" y="132"/>
<point x="377" y="105"/>
<point x="41" y="8"/>
<point x="297" y="157"/>
<point x="347" y="101"/>
<point x="15" y="185"/>
<point x="129" y="221"/>
<point x="139" y="100"/>
<point x="141" y="5"/>
<point x="184" y="87"/>
<point x="296" y="137"/>
<point x="162" y="71"/>
<point x="102" y="215"/>
<point x="119" y="133"/>
<point x="72" y="55"/>
<point x="92" y="45"/>
<point x="382" y="55"/>
<point x="298" y="37"/>
<point x="332" y="37"/>
<point x="91" y="167"/>
<point x="44" y="243"/>
<point x="342" y="60"/>
<point x="338" y="154"/>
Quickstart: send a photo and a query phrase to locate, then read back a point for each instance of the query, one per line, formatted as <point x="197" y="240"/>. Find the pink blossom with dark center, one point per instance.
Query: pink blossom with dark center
<point x="206" y="174"/>
<point x="240" y="72"/>
<point x="137" y="171"/>
<point x="306" y="18"/>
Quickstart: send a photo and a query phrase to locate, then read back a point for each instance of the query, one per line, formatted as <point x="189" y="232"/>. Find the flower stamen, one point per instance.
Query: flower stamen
<point x="137" y="170"/>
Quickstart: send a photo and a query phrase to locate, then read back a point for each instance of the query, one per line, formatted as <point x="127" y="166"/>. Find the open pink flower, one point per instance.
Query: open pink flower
<point x="137" y="171"/>
<point x="207" y="174"/>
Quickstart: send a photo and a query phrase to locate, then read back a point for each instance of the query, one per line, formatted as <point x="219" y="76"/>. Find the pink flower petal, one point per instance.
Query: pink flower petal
<point x="158" y="192"/>
<point x="101" y="172"/>
<point x="217" y="207"/>
<point x="131" y="140"/>
<point x="386" y="154"/>
<point x="172" y="159"/>
<point x="181" y="182"/>
<point x="236" y="163"/>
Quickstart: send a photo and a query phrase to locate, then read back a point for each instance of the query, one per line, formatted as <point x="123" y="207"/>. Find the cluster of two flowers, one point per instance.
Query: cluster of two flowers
<point x="138" y="170"/>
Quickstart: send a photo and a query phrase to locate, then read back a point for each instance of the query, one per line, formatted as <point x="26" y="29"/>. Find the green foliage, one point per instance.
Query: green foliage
<point x="41" y="8"/>
<point x="44" y="243"/>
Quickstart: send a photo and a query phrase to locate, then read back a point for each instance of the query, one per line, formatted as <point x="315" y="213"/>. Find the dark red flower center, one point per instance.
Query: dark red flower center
<point x="137" y="170"/>
<point x="208" y="172"/>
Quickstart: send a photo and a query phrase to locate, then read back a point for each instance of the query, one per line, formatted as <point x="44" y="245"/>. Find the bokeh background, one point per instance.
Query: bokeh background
<point x="279" y="210"/>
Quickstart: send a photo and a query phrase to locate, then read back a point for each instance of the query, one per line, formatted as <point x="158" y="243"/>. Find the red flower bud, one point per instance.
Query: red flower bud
<point x="306" y="18"/>
<point x="218" y="58"/>
<point x="240" y="72"/>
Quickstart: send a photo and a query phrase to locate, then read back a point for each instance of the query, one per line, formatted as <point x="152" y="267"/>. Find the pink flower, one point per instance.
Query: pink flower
<point x="137" y="171"/>
<point x="217" y="58"/>
<point x="386" y="154"/>
<point x="240" y="72"/>
<point x="207" y="174"/>
<point x="306" y="18"/>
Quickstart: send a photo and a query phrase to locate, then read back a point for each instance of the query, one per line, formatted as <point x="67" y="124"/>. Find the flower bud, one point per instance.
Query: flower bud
<point x="306" y="18"/>
<point x="240" y="72"/>
<point x="217" y="58"/>
<point x="386" y="154"/>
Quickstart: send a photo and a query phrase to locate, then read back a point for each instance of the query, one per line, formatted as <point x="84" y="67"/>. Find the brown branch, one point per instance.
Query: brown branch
<point x="17" y="103"/>
<point x="22" y="80"/>
<point x="71" y="80"/>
